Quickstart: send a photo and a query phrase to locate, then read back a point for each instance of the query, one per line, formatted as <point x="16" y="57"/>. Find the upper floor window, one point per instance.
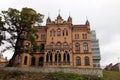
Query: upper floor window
<point x="58" y="32"/>
<point x="42" y="36"/>
<point x="65" y="44"/>
<point x="84" y="36"/>
<point x="85" y="46"/>
<point x="66" y="32"/>
<point x="76" y="36"/>
<point x="51" y="44"/>
<point x="58" y="44"/>
<point x="87" y="61"/>
<point x="77" y="46"/>
<point x="50" y="33"/>
<point x="53" y="33"/>
<point x="63" y="33"/>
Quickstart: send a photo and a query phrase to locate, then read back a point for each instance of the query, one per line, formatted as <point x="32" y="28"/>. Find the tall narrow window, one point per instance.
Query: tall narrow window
<point x="63" y="33"/>
<point x="66" y="32"/>
<point x="78" y="61"/>
<point x="50" y="33"/>
<point x="50" y="57"/>
<point x="85" y="47"/>
<point x="58" y="32"/>
<point x="77" y="46"/>
<point x="33" y="61"/>
<point x="59" y="57"/>
<point x="85" y="37"/>
<point x="19" y="59"/>
<point x="25" y="60"/>
<point x="55" y="57"/>
<point x="87" y="62"/>
<point x="53" y="33"/>
<point x="68" y="58"/>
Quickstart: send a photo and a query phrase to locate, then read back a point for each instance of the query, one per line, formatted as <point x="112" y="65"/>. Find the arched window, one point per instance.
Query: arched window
<point x="33" y="61"/>
<point x="85" y="47"/>
<point x="25" y="60"/>
<point x="51" y="45"/>
<point x="55" y="57"/>
<point x="64" y="57"/>
<point x="59" y="57"/>
<point x="58" y="44"/>
<point x="65" y="44"/>
<point x="78" y="61"/>
<point x="58" y="32"/>
<point x="77" y="46"/>
<point x="68" y="58"/>
<point x="66" y="32"/>
<point x="50" y="57"/>
<point x="87" y="62"/>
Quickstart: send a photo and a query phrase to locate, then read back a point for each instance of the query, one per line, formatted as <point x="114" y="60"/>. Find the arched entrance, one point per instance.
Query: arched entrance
<point x="41" y="59"/>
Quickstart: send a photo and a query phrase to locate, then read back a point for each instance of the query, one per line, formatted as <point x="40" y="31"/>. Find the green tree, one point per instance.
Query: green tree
<point x="16" y="23"/>
<point x="1" y="31"/>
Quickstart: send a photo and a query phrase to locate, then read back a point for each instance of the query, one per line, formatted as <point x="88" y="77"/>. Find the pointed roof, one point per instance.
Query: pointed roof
<point x="87" y="23"/>
<point x="69" y="19"/>
<point x="48" y="19"/>
<point x="59" y="17"/>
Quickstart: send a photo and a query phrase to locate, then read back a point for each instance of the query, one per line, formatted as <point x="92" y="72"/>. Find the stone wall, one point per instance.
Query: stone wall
<point x="96" y="71"/>
<point x="3" y="64"/>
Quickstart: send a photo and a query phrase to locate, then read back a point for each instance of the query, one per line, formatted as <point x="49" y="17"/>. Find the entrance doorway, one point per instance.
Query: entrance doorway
<point x="41" y="61"/>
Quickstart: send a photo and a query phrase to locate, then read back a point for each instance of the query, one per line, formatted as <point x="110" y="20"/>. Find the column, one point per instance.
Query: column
<point x="53" y="58"/>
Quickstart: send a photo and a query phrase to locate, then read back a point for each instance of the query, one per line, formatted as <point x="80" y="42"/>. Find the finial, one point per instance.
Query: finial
<point x="59" y="11"/>
<point x="69" y="13"/>
<point x="48" y="14"/>
<point x="86" y="18"/>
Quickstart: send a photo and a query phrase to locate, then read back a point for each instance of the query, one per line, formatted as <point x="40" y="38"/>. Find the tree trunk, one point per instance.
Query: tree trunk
<point x="16" y="52"/>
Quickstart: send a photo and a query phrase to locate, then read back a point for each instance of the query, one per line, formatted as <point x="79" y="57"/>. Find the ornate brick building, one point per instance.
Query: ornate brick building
<point x="62" y="45"/>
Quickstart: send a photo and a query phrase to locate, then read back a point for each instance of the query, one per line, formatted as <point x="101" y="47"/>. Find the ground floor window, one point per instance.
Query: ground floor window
<point x="25" y="60"/>
<point x="87" y="61"/>
<point x="33" y="61"/>
<point x="78" y="61"/>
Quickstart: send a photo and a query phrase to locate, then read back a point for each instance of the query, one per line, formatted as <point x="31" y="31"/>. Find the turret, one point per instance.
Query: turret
<point x="69" y="20"/>
<point x="48" y="21"/>
<point x="87" y="23"/>
<point x="59" y="19"/>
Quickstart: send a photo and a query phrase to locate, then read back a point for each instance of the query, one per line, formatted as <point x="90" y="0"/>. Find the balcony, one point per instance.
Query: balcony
<point x="49" y="47"/>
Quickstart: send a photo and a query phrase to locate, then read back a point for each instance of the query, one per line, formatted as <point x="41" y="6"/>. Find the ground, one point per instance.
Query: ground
<point x="20" y="75"/>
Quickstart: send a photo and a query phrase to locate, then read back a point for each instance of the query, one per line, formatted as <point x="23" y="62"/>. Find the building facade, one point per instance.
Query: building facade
<point x="95" y="50"/>
<point x="62" y="44"/>
<point x="111" y="67"/>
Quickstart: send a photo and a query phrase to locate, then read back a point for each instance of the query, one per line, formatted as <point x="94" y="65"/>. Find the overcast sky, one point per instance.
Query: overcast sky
<point x="104" y="17"/>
